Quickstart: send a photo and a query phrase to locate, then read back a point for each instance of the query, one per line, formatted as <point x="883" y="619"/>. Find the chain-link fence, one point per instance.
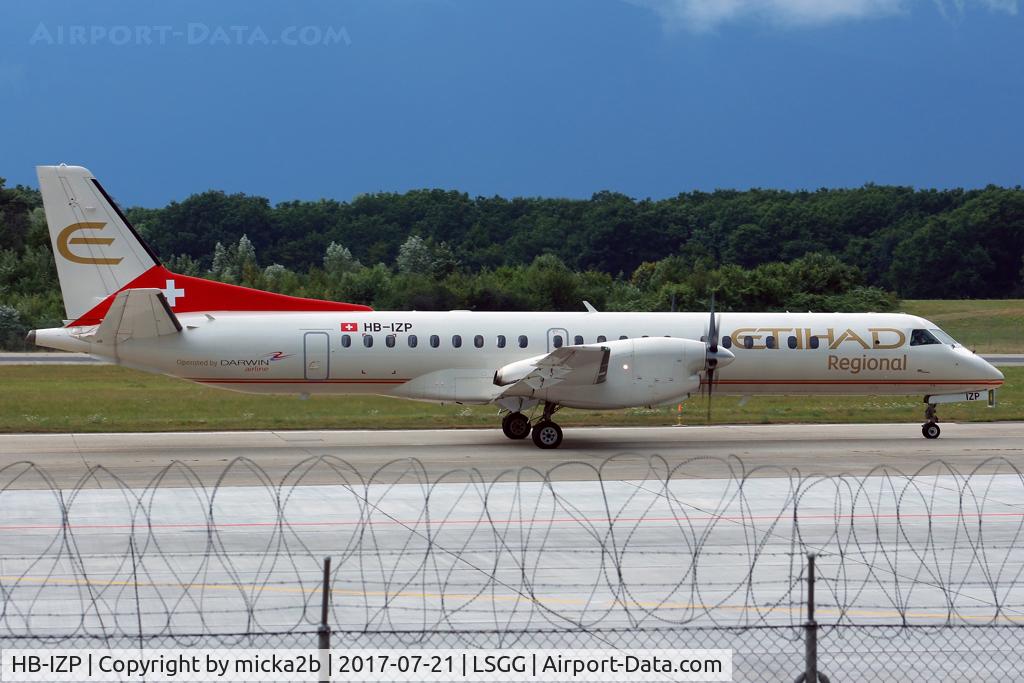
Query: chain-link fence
<point x="922" y="653"/>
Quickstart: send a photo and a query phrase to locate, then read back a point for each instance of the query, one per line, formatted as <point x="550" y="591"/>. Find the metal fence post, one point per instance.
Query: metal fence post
<point x="811" y="674"/>
<point x="135" y="583"/>
<point x="810" y="628"/>
<point x="324" y="630"/>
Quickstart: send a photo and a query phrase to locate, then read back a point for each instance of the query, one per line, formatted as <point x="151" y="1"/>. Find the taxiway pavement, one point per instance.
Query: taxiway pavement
<point x="142" y="459"/>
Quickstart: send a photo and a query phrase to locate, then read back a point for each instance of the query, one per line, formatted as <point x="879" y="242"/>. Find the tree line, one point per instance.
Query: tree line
<point x="847" y="249"/>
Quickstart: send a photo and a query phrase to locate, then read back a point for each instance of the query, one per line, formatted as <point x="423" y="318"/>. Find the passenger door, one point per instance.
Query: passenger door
<point x="317" y="350"/>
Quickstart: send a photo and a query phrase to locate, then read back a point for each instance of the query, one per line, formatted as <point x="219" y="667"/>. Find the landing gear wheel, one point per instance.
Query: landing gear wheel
<point x="930" y="429"/>
<point x="516" y="426"/>
<point x="547" y="434"/>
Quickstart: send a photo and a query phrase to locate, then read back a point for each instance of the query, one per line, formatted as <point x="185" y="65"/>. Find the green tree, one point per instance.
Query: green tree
<point x="338" y="260"/>
<point x="12" y="328"/>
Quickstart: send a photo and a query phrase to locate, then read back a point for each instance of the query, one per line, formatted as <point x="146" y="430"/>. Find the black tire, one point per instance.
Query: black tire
<point x="516" y="426"/>
<point x="930" y="430"/>
<point x="547" y="435"/>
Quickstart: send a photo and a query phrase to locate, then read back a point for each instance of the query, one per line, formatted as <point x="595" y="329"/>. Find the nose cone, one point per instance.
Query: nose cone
<point x="992" y="372"/>
<point x="982" y="369"/>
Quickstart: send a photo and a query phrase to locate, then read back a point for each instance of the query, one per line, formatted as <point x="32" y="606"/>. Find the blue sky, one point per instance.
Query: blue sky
<point x="524" y="97"/>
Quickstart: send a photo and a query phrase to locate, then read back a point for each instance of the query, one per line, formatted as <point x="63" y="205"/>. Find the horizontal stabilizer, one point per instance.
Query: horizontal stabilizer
<point x="137" y="314"/>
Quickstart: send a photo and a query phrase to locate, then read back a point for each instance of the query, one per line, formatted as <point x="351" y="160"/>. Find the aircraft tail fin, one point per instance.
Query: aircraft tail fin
<point x="99" y="254"/>
<point x="97" y="250"/>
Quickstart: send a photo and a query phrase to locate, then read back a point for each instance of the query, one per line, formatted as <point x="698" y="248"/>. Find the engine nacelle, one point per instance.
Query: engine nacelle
<point x="641" y="372"/>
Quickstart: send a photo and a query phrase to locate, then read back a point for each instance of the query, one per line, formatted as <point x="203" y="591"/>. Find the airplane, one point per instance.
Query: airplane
<point x="124" y="306"/>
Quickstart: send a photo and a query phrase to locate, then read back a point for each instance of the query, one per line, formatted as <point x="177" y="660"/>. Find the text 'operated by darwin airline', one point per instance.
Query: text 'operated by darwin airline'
<point x="122" y="305"/>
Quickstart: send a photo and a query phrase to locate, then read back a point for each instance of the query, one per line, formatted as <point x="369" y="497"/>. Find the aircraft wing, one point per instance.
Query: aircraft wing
<point x="137" y="314"/>
<point x="570" y="365"/>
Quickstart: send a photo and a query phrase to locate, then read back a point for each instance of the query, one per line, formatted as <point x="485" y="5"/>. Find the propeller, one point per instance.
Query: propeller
<point x="715" y="357"/>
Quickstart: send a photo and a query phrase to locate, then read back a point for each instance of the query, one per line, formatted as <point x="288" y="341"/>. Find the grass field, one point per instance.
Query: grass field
<point x="108" y="398"/>
<point x="985" y="325"/>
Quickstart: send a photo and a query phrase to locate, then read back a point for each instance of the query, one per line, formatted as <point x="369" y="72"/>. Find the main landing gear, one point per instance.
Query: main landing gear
<point x="546" y="434"/>
<point x="930" y="429"/>
<point x="516" y="426"/>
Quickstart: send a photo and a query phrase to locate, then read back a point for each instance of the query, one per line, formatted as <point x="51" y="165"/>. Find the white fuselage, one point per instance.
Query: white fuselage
<point x="309" y="353"/>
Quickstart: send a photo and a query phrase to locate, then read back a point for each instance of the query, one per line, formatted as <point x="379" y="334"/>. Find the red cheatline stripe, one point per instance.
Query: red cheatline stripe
<point x="497" y="522"/>
<point x="912" y="382"/>
<point x="208" y="380"/>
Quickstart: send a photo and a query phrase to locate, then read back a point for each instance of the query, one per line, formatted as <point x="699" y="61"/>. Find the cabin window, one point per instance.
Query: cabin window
<point x="922" y="338"/>
<point x="478" y="341"/>
<point x="523" y="341"/>
<point x="435" y="341"/>
<point x="457" y="341"/>
<point x="556" y="341"/>
<point x="814" y="342"/>
<point x="413" y="341"/>
<point x="389" y="341"/>
<point x="368" y="340"/>
<point x="644" y="336"/>
<point x="346" y="341"/>
<point x="748" y="342"/>
<point x="769" y="342"/>
<point x="601" y="339"/>
<point x="577" y="340"/>
<point x="621" y="337"/>
<point x="727" y="342"/>
<point x="501" y="341"/>
<point x="791" y="342"/>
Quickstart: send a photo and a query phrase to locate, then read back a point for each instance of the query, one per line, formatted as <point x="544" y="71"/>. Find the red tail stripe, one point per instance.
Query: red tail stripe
<point x="206" y="295"/>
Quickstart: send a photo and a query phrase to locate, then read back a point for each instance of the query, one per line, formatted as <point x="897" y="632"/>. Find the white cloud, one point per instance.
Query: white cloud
<point x="706" y="14"/>
<point x="1008" y="6"/>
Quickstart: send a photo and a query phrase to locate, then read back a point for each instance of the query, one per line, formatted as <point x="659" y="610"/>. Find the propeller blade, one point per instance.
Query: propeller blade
<point x="711" y="388"/>
<point x="712" y="354"/>
<point x="713" y="328"/>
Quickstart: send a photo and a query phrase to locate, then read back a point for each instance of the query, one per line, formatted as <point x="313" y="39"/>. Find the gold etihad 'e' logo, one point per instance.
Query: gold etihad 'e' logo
<point x="64" y="239"/>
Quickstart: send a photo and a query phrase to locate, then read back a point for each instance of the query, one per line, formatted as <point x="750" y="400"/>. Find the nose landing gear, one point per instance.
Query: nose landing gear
<point x="930" y="429"/>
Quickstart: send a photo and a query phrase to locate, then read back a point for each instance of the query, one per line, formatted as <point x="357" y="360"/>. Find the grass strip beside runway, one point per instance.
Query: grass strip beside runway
<point x="115" y="399"/>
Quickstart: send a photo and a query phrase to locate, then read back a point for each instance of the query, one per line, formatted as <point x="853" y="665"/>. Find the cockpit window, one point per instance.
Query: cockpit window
<point x="922" y="338"/>
<point x="943" y="337"/>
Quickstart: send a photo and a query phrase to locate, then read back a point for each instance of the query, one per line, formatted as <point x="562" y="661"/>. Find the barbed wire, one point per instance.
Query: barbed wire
<point x="572" y="547"/>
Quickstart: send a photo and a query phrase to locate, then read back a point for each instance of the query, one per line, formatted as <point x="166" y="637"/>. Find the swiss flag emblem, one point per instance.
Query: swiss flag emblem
<point x="350" y="327"/>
